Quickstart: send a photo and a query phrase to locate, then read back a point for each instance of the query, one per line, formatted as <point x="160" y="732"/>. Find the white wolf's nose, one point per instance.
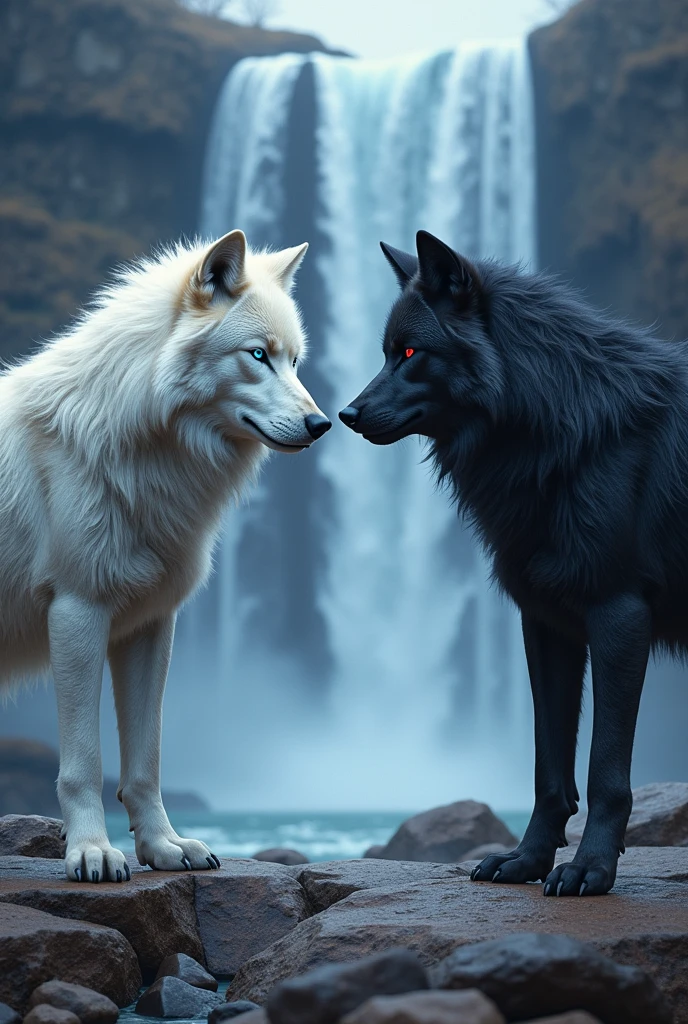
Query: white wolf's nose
<point x="317" y="425"/>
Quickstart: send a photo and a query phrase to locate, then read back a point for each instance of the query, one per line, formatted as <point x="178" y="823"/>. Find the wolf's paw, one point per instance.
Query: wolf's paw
<point x="515" y="867"/>
<point x="591" y="877"/>
<point x="172" y="853"/>
<point x="95" y="861"/>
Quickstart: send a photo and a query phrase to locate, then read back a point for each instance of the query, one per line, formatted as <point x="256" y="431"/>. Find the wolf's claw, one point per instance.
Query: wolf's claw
<point x="187" y="863"/>
<point x="77" y="874"/>
<point x="127" y="872"/>
<point x="95" y="876"/>
<point x="217" y="860"/>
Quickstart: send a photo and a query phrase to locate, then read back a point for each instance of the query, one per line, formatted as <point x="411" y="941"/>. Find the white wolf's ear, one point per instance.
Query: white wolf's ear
<point x="284" y="264"/>
<point x="224" y="265"/>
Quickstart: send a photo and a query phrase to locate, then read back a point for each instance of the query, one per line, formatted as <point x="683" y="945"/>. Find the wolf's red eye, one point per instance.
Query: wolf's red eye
<point x="409" y="352"/>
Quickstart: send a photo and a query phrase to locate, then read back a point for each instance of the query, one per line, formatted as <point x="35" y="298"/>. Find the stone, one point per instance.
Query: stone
<point x="179" y="965"/>
<point x="374" y="851"/>
<point x="533" y="975"/>
<point x="281" y="855"/>
<point x="576" y="1017"/>
<point x="478" y="852"/>
<point x="667" y="862"/>
<point x="255" y="1017"/>
<point x="243" y="908"/>
<point x="329" y="992"/>
<point x="85" y="1003"/>
<point x="643" y="922"/>
<point x="332" y="881"/>
<point x="470" y="1007"/>
<point x="172" y="997"/>
<point x="8" y="1015"/>
<point x="445" y="834"/>
<point x="31" y="835"/>
<point x="228" y="1011"/>
<point x="155" y="911"/>
<point x="659" y="816"/>
<point x="46" y="1014"/>
<point x="36" y="947"/>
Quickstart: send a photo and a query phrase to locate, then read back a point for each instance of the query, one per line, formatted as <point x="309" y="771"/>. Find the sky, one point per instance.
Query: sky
<point x="386" y="28"/>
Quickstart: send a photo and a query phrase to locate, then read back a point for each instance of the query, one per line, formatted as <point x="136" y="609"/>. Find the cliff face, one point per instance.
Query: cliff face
<point x="104" y="110"/>
<point x="611" y="81"/>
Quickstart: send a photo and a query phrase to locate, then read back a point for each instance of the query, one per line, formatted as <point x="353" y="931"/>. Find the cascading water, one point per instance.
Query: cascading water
<point x="425" y="695"/>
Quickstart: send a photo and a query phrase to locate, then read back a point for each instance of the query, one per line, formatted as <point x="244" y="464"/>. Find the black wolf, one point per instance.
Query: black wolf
<point x="564" y="436"/>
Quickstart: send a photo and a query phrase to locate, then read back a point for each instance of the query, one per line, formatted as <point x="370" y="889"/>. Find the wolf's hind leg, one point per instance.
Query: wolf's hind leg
<point x="139" y="666"/>
<point x="78" y="640"/>
<point x="556" y="665"/>
<point x="620" y="634"/>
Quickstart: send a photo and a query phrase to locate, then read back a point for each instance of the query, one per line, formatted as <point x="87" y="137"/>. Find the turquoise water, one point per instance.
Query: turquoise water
<point x="320" y="837"/>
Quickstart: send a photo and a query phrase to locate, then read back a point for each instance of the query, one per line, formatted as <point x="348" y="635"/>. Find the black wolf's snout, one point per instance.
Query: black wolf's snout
<point x="350" y="415"/>
<point x="317" y="425"/>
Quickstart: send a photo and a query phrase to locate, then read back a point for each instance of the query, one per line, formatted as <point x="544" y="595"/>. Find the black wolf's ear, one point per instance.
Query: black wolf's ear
<point x="442" y="270"/>
<point x="404" y="265"/>
<point x="224" y="265"/>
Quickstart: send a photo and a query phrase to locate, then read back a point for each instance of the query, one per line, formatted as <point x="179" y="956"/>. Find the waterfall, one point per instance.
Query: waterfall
<point x="422" y="696"/>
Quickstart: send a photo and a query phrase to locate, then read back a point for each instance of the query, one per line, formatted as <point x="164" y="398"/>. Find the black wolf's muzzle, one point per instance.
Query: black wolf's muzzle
<point x="350" y="415"/>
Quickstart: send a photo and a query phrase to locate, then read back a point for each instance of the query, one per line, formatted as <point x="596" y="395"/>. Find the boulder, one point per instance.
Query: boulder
<point x="30" y="835"/>
<point x="228" y="1011"/>
<point x="85" y="1003"/>
<point x="281" y="855"/>
<point x="172" y="997"/>
<point x="470" y="1007"/>
<point x="374" y="851"/>
<point x="179" y="965"/>
<point x="37" y="947"/>
<point x="659" y="816"/>
<point x="445" y="834"/>
<point x="330" y="882"/>
<point x="643" y="922"/>
<point x="155" y="911"/>
<point x="46" y="1014"/>
<point x="478" y="852"/>
<point x="244" y="907"/>
<point x="326" y="994"/>
<point x="533" y="975"/>
<point x="576" y="1017"/>
<point x="8" y="1015"/>
<point x="255" y="1017"/>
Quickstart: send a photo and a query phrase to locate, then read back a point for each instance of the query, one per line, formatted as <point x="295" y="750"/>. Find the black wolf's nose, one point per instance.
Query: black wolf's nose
<point x="317" y="425"/>
<point x="350" y="415"/>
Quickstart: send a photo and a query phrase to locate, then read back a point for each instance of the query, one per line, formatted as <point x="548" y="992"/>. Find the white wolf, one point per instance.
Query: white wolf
<point x="121" y="444"/>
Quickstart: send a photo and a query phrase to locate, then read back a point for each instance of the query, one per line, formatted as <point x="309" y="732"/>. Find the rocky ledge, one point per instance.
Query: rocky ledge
<point x="263" y="924"/>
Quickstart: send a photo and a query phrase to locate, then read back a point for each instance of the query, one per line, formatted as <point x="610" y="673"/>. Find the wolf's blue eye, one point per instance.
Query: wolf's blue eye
<point x="259" y="354"/>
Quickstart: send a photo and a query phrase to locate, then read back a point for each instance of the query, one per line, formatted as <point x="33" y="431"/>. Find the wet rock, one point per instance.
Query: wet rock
<point x="329" y="883"/>
<point x="179" y="965"/>
<point x="46" y="1014"/>
<point x="155" y="911"/>
<point x="533" y="975"/>
<point x="36" y="947"/>
<point x="470" y="1007"/>
<point x="478" y="852"/>
<point x="281" y="855"/>
<point x="255" y="1017"/>
<point x="659" y="816"/>
<point x="85" y="1003"/>
<point x="445" y="834"/>
<point x="324" y="995"/>
<point x="374" y="851"/>
<point x="643" y="922"/>
<point x="172" y="997"/>
<point x="8" y="1015"/>
<point x="30" y="835"/>
<point x="228" y="1011"/>
<point x="243" y="908"/>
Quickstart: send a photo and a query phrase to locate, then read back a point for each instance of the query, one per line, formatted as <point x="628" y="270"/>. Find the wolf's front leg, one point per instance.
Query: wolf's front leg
<point x="139" y="666"/>
<point x="78" y="641"/>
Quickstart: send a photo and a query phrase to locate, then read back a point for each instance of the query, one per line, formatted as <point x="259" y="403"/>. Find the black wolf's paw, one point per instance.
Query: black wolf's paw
<point x="593" y="877"/>
<point x="521" y="865"/>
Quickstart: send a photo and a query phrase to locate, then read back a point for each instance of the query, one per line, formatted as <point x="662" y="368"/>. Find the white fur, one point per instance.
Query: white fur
<point x="121" y="443"/>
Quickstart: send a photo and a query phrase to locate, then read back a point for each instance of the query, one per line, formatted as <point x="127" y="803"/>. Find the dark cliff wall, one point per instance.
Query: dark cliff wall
<point x="104" y="111"/>
<point x="611" y="82"/>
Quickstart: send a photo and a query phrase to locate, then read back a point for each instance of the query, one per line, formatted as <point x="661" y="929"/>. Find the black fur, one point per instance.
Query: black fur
<point x="564" y="436"/>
